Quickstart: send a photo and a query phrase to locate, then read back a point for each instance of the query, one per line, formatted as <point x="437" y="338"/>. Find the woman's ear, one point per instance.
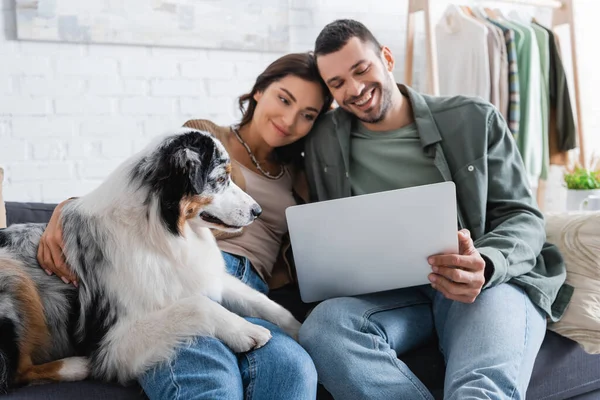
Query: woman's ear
<point x="257" y="96"/>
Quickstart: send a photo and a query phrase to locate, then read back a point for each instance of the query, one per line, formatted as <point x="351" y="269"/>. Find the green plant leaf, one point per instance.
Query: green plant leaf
<point x="582" y="179"/>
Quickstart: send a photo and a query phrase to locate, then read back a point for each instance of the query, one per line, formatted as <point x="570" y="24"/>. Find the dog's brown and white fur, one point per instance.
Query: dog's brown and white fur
<point x="151" y="276"/>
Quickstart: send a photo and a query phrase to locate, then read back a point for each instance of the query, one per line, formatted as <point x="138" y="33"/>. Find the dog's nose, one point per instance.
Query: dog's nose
<point x="256" y="211"/>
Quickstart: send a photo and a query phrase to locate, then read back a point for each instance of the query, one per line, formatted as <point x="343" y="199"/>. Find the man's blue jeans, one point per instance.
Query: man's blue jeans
<point x="489" y="346"/>
<point x="208" y="369"/>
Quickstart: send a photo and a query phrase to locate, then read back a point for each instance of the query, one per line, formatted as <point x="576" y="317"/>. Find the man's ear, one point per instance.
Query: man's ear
<point x="388" y="58"/>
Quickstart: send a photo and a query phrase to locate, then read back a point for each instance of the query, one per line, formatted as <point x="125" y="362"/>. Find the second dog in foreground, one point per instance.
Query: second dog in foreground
<point x="151" y="276"/>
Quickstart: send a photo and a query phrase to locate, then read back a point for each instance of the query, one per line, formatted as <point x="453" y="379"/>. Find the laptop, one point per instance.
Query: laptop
<point x="371" y="243"/>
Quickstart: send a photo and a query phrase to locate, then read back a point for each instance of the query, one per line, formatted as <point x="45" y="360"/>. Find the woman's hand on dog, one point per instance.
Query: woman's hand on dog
<point x="459" y="277"/>
<point x="50" y="251"/>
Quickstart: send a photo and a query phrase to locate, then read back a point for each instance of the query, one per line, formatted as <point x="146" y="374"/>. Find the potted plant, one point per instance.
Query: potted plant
<point x="583" y="187"/>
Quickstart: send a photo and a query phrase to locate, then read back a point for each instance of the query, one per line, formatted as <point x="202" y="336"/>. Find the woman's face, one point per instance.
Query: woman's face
<point x="286" y="110"/>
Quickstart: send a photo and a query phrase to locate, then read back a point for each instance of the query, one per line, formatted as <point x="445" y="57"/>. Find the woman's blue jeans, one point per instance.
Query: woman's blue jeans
<point x="208" y="369"/>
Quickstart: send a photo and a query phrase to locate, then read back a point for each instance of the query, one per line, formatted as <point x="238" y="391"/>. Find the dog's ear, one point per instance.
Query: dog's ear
<point x="191" y="164"/>
<point x="185" y="158"/>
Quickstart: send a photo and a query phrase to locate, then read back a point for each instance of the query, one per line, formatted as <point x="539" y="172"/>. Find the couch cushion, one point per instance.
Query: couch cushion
<point x="89" y="390"/>
<point x="20" y="213"/>
<point x="563" y="370"/>
<point x="2" y="209"/>
<point x="577" y="235"/>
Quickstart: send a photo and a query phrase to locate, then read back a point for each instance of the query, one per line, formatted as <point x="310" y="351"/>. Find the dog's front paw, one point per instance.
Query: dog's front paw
<point x="247" y="336"/>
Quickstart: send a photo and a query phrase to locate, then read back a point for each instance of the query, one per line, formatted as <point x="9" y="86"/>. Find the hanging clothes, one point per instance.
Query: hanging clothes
<point x="529" y="138"/>
<point x="543" y="47"/>
<point x="514" y="107"/>
<point x="462" y="50"/>
<point x="498" y="66"/>
<point x="562" y="133"/>
<point x="503" y="78"/>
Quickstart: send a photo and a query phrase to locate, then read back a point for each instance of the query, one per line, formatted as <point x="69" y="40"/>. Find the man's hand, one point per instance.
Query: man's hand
<point x="459" y="277"/>
<point x="50" y="251"/>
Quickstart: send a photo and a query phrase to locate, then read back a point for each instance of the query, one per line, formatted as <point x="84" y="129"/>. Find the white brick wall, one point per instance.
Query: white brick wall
<point x="587" y="14"/>
<point x="70" y="113"/>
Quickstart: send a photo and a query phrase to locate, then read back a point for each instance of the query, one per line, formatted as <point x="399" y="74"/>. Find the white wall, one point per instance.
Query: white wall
<point x="587" y="13"/>
<point x="70" y="113"/>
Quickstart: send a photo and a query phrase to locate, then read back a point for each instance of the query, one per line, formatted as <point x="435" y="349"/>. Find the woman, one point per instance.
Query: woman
<point x="266" y="147"/>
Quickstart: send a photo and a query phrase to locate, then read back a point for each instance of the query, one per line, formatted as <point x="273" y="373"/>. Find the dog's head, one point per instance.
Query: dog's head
<point x="189" y="175"/>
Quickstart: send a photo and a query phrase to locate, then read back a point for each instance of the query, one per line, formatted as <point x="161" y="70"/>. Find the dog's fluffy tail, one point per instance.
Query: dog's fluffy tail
<point x="23" y="328"/>
<point x="9" y="353"/>
<point x="9" y="341"/>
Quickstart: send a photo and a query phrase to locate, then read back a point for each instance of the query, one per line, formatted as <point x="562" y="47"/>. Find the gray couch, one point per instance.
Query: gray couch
<point x="562" y="370"/>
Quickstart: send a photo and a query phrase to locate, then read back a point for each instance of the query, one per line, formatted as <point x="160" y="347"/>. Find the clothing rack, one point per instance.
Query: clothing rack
<point x="562" y="14"/>
<point x="415" y="6"/>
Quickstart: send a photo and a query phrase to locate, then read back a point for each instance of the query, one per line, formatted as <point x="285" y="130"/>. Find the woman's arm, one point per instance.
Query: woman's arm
<point x="50" y="254"/>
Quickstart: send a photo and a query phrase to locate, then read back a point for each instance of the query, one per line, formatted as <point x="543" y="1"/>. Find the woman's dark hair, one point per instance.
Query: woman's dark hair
<point x="301" y="65"/>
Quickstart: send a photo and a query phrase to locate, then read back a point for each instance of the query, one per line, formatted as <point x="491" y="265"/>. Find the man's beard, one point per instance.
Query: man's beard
<point x="385" y="103"/>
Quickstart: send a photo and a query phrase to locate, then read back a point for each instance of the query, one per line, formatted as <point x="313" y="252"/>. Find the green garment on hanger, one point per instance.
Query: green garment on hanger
<point x="543" y="46"/>
<point x="529" y="140"/>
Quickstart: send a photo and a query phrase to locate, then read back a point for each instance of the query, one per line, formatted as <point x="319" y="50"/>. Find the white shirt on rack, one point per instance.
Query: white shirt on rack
<point x="463" y="58"/>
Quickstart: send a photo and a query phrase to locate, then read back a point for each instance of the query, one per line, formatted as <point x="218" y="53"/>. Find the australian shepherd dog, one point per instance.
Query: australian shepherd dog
<point x="150" y="274"/>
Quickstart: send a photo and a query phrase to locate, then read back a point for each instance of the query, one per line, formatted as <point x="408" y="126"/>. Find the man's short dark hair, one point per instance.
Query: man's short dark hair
<point x="336" y="34"/>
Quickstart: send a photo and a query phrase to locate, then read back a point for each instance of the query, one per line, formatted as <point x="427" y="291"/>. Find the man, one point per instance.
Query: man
<point x="488" y="305"/>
